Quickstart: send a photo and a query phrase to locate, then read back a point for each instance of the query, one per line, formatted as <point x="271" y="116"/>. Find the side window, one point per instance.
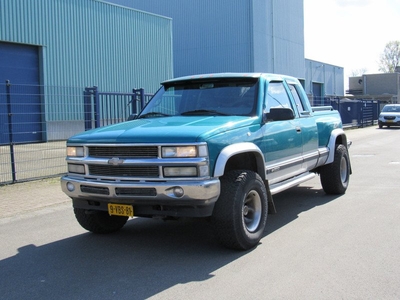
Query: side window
<point x="296" y="98"/>
<point x="277" y="97"/>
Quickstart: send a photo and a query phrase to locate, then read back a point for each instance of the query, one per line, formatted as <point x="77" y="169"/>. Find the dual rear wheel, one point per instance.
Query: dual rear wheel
<point x="336" y="175"/>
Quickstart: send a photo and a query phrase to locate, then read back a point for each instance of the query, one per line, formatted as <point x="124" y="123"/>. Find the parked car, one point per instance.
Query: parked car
<point x="389" y="116"/>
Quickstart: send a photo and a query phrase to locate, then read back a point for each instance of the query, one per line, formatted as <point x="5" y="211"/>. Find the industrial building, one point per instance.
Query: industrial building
<point x="384" y="87"/>
<point x="243" y="36"/>
<point x="50" y="47"/>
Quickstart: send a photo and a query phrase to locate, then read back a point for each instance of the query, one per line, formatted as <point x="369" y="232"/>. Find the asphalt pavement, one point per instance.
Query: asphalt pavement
<point x="317" y="246"/>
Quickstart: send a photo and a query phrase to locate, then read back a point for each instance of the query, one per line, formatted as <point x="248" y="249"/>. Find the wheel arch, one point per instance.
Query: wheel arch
<point x="338" y="136"/>
<point x="238" y="156"/>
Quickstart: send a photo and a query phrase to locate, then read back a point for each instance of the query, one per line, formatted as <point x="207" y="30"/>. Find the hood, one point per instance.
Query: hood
<point x="179" y="129"/>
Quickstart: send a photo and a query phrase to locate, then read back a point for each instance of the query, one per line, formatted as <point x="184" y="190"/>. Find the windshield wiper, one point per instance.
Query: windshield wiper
<point x="200" y="112"/>
<point x="153" y="114"/>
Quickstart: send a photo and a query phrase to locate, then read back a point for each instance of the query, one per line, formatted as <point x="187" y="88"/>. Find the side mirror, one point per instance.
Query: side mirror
<point x="280" y="114"/>
<point x="132" y="117"/>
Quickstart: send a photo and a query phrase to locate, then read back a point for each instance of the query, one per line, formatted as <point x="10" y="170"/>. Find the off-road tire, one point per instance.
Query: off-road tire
<point x="99" y="221"/>
<point x="336" y="175"/>
<point x="240" y="213"/>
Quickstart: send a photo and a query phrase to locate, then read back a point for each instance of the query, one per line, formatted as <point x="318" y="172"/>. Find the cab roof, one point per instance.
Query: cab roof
<point x="267" y="76"/>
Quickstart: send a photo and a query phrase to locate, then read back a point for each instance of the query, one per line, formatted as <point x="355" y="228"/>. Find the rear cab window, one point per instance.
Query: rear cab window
<point x="301" y="106"/>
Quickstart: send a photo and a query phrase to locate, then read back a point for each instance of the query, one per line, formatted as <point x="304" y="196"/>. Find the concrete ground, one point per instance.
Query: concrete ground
<point x="22" y="198"/>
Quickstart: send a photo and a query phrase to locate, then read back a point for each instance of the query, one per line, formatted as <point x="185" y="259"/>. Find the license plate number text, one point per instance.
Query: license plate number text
<point x="120" y="210"/>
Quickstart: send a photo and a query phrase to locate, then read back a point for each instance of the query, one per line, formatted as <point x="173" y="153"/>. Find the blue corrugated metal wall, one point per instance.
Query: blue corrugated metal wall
<point x="241" y="35"/>
<point x="330" y="77"/>
<point x="209" y="36"/>
<point x="233" y="35"/>
<point x="286" y="26"/>
<point x="89" y="42"/>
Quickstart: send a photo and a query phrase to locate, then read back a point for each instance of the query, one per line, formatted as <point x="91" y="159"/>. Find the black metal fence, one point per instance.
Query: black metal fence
<point x="354" y="112"/>
<point x="35" y="121"/>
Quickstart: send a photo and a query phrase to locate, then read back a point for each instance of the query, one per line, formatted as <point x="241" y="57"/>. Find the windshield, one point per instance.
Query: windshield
<point x="391" y="108"/>
<point x="235" y="96"/>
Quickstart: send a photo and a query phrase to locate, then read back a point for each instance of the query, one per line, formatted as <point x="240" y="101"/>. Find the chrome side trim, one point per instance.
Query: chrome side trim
<point x="283" y="165"/>
<point x="323" y="155"/>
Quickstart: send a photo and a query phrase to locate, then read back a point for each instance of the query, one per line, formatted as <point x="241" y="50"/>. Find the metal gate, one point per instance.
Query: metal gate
<point x="370" y="112"/>
<point x="106" y="108"/>
<point x="356" y="112"/>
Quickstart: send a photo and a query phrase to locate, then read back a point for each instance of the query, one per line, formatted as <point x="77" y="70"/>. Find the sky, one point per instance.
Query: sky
<point x="350" y="33"/>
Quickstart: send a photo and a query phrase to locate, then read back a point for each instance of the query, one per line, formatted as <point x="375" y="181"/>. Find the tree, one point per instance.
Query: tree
<point x="390" y="58"/>
<point x="358" y="72"/>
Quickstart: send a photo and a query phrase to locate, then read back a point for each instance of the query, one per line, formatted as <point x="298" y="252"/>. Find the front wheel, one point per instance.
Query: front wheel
<point x="336" y="175"/>
<point x="240" y="214"/>
<point x="99" y="221"/>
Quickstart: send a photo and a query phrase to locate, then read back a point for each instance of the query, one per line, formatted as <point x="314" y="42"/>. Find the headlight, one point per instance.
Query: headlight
<point x="75" y="151"/>
<point x="78" y="169"/>
<point x="180" y="171"/>
<point x="184" y="151"/>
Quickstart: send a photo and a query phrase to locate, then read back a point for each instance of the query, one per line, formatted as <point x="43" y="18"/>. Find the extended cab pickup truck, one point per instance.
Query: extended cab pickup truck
<point x="216" y="145"/>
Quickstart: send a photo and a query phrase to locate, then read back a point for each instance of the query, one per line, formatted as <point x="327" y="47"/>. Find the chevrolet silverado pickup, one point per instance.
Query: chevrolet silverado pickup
<point x="216" y="146"/>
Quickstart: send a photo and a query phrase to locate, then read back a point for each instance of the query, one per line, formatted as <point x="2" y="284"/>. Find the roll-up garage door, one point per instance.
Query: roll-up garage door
<point x="20" y="101"/>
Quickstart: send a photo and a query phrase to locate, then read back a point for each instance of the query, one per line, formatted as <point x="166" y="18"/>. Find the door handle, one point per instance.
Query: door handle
<point x="298" y="129"/>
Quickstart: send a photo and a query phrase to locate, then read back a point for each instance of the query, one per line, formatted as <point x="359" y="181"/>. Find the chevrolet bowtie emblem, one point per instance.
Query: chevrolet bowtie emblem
<point x="115" y="161"/>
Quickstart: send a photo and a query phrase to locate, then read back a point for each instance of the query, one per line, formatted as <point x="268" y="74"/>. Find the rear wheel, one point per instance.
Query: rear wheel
<point x="240" y="214"/>
<point x="335" y="176"/>
<point x="99" y="221"/>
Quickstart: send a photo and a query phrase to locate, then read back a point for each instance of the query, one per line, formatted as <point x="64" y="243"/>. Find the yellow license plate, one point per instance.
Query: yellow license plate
<point x="120" y="210"/>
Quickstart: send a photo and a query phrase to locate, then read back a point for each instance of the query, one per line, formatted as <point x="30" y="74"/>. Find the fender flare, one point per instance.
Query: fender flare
<point x="238" y="148"/>
<point x="332" y="143"/>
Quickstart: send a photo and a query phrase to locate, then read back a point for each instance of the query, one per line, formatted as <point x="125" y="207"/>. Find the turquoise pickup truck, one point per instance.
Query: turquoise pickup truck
<point x="214" y="145"/>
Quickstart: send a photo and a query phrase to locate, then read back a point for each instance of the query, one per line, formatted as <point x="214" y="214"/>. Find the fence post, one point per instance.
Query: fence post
<point x="10" y="130"/>
<point x="87" y="108"/>
<point x="96" y="107"/>
<point x="141" y="99"/>
<point x="142" y="102"/>
<point x="134" y="102"/>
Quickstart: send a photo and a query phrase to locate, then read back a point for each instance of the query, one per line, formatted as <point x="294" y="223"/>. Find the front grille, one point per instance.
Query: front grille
<point x="390" y="117"/>
<point x="124" y="152"/>
<point x="136" y="191"/>
<point x="124" y="171"/>
<point x="94" y="190"/>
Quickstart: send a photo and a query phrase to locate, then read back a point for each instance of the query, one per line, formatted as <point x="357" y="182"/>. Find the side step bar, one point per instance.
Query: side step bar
<point x="284" y="185"/>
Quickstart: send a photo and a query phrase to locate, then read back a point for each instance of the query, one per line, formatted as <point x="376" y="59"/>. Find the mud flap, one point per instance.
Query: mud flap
<point x="271" y="203"/>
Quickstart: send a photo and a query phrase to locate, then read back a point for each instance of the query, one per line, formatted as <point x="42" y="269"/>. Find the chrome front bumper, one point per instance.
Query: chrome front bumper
<point x="142" y="192"/>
